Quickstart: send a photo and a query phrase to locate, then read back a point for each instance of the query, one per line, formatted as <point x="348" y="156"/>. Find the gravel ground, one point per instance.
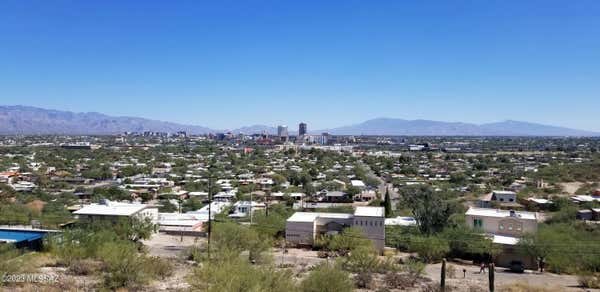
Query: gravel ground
<point x="551" y="281"/>
<point x="170" y="246"/>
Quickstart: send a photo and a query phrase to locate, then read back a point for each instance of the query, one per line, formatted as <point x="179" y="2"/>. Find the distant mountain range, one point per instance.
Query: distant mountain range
<point x="32" y="120"/>
<point x="386" y="126"/>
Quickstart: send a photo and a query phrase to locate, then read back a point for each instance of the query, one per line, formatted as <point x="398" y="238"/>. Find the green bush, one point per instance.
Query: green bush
<point x="7" y="253"/>
<point x="237" y="274"/>
<point x="124" y="266"/>
<point x="429" y="248"/>
<point x="326" y="278"/>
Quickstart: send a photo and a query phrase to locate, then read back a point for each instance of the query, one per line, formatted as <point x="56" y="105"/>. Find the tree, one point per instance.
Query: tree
<point x="167" y="207"/>
<point x="191" y="204"/>
<point x="273" y="225"/>
<point x="135" y="229"/>
<point x="530" y="244"/>
<point x="429" y="210"/>
<point x="387" y="203"/>
<point x="231" y="239"/>
<point x="326" y="278"/>
<point x="430" y="248"/>
<point x="350" y="239"/>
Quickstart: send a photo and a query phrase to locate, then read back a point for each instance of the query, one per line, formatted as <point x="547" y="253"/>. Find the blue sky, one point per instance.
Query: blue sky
<point x="225" y="64"/>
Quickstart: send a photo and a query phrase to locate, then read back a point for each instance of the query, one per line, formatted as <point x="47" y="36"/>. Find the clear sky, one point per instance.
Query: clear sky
<point x="225" y="64"/>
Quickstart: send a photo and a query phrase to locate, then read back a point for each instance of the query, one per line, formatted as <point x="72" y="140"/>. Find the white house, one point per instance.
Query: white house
<point x="108" y="210"/>
<point x="504" y="227"/>
<point x="302" y="228"/>
<point x="179" y="223"/>
<point x="358" y="184"/>
<point x="245" y="208"/>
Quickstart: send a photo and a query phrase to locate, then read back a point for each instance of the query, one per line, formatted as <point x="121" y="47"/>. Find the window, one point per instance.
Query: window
<point x="501" y="226"/>
<point x="477" y="223"/>
<point x="510" y="227"/>
<point x="512" y="200"/>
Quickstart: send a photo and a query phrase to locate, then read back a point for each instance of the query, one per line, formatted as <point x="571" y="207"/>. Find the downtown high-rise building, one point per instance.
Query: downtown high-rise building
<point x="282" y="132"/>
<point x="302" y="129"/>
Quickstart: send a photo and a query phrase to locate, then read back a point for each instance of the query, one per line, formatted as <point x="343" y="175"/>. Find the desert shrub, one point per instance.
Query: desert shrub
<point x="158" y="268"/>
<point x="361" y="260"/>
<point x="84" y="267"/>
<point x="322" y="254"/>
<point x="591" y="281"/>
<point x="124" y="266"/>
<point x="524" y="287"/>
<point x="237" y="274"/>
<point x="7" y="253"/>
<point x="435" y="287"/>
<point x="397" y="280"/>
<point x="193" y="253"/>
<point x="414" y="267"/>
<point x="451" y="271"/>
<point x="363" y="280"/>
<point x="326" y="278"/>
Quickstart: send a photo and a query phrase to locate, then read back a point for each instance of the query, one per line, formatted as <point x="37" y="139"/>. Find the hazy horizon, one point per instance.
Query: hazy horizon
<point x="226" y="65"/>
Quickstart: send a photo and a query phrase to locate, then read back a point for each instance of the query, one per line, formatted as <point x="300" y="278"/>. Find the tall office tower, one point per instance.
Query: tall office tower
<point x="282" y="132"/>
<point x="302" y="129"/>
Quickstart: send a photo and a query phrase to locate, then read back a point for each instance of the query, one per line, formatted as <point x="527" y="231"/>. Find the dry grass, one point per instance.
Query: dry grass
<point x="524" y="287"/>
<point x="31" y="262"/>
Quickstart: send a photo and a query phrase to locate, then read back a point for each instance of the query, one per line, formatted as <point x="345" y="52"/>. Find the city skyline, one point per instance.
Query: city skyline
<point x="222" y="65"/>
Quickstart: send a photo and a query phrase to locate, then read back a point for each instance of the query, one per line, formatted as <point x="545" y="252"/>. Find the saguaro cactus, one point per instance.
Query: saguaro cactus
<point x="443" y="276"/>
<point x="491" y="276"/>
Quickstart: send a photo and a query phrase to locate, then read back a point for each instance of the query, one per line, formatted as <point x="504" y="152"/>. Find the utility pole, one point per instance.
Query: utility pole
<point x="283" y="250"/>
<point x="267" y="201"/>
<point x="209" y="213"/>
<point x="182" y="228"/>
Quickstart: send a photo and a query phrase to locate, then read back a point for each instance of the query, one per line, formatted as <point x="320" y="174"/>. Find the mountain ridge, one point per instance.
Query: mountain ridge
<point x="34" y="120"/>
<point x="402" y="127"/>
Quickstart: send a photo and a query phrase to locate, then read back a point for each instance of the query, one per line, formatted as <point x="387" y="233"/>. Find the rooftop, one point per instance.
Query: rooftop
<point x="364" y="211"/>
<point x="111" y="209"/>
<point x="504" y="192"/>
<point x="507" y="240"/>
<point x="357" y="183"/>
<point x="487" y="212"/>
<point x="311" y="216"/>
<point x="401" y="221"/>
<point x="13" y="236"/>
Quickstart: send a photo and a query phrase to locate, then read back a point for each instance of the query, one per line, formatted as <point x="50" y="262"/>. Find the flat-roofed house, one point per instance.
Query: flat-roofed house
<point x="113" y="211"/>
<point x="504" y="198"/>
<point x="302" y="228"/>
<point x="371" y="220"/>
<point x="504" y="227"/>
<point x="358" y="184"/>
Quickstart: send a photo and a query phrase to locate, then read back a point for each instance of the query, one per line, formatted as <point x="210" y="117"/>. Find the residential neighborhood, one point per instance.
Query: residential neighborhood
<point x="484" y="205"/>
<point x="299" y="146"/>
